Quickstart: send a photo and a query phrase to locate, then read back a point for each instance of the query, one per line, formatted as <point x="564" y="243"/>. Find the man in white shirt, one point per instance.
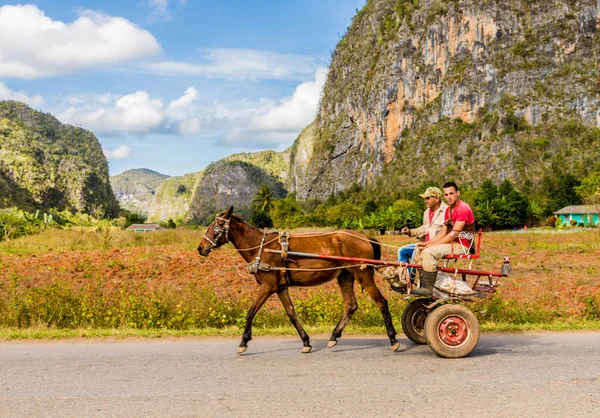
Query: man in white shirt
<point x="433" y="222"/>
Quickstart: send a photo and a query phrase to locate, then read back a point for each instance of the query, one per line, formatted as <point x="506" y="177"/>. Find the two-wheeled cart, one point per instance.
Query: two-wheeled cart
<point x="449" y="328"/>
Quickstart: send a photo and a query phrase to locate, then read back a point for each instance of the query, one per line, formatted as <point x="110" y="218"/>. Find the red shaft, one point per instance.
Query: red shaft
<point x="383" y="262"/>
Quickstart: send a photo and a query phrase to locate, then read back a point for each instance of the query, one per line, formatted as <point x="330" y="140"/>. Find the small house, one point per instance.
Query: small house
<point x="143" y="227"/>
<point x="582" y="214"/>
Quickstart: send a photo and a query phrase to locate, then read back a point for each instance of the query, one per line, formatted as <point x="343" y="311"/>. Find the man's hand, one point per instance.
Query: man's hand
<point x="422" y="244"/>
<point x="405" y="231"/>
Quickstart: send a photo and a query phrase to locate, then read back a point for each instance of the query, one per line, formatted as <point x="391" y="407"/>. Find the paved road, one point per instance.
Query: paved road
<point x="524" y="375"/>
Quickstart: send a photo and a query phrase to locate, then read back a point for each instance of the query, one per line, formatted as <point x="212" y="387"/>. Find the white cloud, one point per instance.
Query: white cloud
<point x="180" y="108"/>
<point x="240" y="64"/>
<point x="183" y="113"/>
<point x="8" y="94"/>
<point x="33" y="45"/>
<point x="296" y="112"/>
<point x="161" y="9"/>
<point x="159" y="6"/>
<point x="119" y="153"/>
<point x="190" y="126"/>
<point x="134" y="113"/>
<point x="268" y="122"/>
<point x="253" y="124"/>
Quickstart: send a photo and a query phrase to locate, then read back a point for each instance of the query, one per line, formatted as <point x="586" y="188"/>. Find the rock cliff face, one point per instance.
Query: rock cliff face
<point x="230" y="183"/>
<point x="461" y="89"/>
<point x="135" y="189"/>
<point x="173" y="197"/>
<point x="45" y="164"/>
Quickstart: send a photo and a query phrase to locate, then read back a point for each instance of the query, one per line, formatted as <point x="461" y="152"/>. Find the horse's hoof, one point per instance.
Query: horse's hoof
<point x="242" y="350"/>
<point x="306" y="349"/>
<point x="396" y="347"/>
<point x="331" y="344"/>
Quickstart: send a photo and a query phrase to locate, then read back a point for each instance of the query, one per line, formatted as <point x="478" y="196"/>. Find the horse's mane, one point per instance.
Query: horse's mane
<point x="239" y="219"/>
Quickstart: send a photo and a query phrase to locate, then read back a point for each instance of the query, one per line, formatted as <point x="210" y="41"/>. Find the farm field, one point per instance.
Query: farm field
<point x="84" y="279"/>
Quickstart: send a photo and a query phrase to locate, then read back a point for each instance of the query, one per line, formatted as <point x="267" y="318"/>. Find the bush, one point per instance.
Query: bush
<point x="553" y="221"/>
<point x="511" y="207"/>
<point x="342" y="214"/>
<point x="287" y="213"/>
<point x="12" y="226"/>
<point x="170" y="224"/>
<point x="134" y="218"/>
<point x="261" y="219"/>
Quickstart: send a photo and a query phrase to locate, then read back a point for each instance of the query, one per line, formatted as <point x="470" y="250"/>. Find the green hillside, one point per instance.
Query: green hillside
<point x="45" y="164"/>
<point x="135" y="189"/>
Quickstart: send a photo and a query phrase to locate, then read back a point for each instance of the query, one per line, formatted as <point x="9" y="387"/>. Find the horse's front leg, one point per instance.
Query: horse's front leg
<point x="264" y="292"/>
<point x="284" y="296"/>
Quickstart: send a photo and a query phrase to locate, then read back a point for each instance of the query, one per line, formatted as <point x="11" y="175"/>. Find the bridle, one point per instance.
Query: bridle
<point x="218" y="231"/>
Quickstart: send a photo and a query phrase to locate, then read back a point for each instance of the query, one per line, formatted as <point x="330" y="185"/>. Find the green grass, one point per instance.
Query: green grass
<point x="9" y="334"/>
<point x="92" y="238"/>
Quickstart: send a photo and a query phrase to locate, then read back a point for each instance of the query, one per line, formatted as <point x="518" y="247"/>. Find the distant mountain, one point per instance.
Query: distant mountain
<point x="230" y="182"/>
<point x="45" y="164"/>
<point x="173" y="196"/>
<point x="135" y="189"/>
<point x="195" y="197"/>
<point x="275" y="163"/>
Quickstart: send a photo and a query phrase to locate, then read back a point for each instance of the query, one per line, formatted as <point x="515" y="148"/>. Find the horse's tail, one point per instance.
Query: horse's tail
<point x="376" y="248"/>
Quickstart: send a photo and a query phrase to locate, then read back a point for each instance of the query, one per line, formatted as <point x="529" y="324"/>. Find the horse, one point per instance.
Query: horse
<point x="252" y="244"/>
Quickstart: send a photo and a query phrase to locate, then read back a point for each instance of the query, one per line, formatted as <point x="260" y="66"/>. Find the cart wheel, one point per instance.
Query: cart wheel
<point x="413" y="320"/>
<point x="452" y="331"/>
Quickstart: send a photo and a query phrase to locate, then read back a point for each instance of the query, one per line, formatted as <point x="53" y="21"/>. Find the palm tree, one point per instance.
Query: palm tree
<point x="263" y="199"/>
<point x="535" y="211"/>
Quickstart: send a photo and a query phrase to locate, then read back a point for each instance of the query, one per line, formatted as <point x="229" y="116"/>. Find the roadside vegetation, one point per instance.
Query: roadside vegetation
<point x="72" y="274"/>
<point x="77" y="283"/>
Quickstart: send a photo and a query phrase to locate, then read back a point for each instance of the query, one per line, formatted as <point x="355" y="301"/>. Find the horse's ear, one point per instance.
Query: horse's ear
<point x="228" y="213"/>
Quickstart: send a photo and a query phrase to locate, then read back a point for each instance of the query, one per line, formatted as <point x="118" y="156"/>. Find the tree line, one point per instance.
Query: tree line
<point x="495" y="207"/>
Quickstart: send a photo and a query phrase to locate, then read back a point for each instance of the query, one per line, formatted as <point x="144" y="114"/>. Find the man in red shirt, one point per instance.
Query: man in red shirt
<point x="458" y="217"/>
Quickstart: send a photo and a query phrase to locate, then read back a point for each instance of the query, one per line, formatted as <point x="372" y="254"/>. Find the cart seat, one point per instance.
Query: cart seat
<point x="473" y="251"/>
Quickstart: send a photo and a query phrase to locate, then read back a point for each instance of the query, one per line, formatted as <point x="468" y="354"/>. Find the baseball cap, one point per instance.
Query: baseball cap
<point x="432" y="192"/>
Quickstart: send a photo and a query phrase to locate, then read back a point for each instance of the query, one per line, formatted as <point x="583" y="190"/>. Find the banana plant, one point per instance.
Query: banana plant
<point x="390" y="218"/>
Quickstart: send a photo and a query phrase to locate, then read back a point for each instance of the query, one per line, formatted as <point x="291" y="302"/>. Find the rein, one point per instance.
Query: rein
<point x="318" y="234"/>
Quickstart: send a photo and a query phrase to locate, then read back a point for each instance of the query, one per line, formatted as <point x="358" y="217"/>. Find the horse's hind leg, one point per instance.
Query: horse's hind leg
<point x="284" y="296"/>
<point x="264" y="293"/>
<point x="346" y="283"/>
<point x="365" y="278"/>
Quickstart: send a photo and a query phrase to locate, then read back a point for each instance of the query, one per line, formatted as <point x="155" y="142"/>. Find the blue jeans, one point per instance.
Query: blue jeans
<point x="405" y="255"/>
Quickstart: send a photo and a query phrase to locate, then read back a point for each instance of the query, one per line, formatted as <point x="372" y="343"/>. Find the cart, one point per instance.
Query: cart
<point x="450" y="329"/>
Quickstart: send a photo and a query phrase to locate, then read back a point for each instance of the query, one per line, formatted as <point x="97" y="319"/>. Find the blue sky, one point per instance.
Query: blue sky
<point x="173" y="85"/>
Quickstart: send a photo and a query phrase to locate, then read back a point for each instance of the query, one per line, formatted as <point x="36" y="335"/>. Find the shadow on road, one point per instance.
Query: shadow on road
<point x="489" y="344"/>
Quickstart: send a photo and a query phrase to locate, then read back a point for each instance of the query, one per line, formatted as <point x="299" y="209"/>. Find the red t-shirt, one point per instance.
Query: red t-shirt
<point x="464" y="213"/>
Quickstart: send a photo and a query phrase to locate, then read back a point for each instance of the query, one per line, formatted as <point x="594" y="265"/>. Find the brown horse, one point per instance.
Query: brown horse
<point x="301" y="271"/>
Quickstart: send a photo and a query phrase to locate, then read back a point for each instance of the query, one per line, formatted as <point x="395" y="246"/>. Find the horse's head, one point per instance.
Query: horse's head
<point x="216" y="234"/>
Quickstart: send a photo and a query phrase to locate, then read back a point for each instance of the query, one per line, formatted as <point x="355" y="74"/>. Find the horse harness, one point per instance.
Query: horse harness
<point x="218" y="232"/>
<point x="257" y="265"/>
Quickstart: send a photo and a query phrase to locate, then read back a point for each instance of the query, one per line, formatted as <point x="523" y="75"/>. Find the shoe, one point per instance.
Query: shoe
<point x="398" y="289"/>
<point x="427" y="281"/>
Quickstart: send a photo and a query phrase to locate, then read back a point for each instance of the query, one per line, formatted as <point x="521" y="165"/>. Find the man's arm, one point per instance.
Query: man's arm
<point x="437" y="239"/>
<point x="445" y="236"/>
<point x="419" y="232"/>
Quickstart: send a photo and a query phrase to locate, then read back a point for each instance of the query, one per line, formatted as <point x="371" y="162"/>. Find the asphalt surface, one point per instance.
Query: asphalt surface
<point x="520" y="375"/>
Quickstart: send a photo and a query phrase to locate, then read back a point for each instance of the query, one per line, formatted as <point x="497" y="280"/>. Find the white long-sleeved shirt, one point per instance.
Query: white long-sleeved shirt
<point x="430" y="228"/>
